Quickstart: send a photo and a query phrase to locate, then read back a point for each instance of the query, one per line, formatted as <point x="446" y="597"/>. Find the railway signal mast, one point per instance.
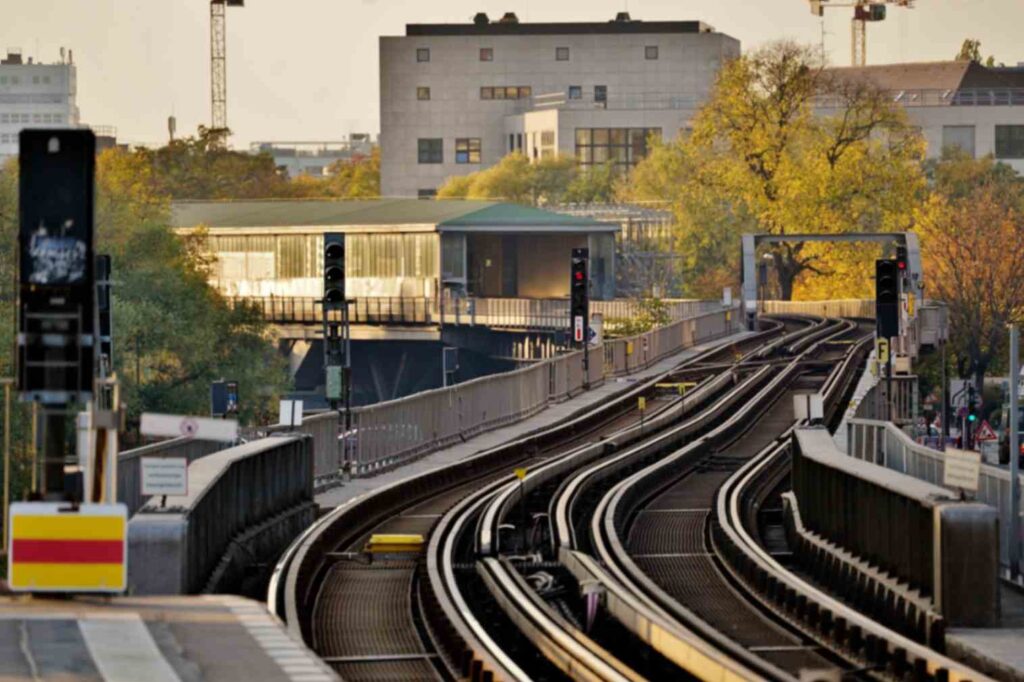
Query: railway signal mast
<point x="219" y="64"/>
<point x="863" y="12"/>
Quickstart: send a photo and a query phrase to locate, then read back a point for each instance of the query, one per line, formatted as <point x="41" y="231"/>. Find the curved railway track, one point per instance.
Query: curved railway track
<point x="631" y="548"/>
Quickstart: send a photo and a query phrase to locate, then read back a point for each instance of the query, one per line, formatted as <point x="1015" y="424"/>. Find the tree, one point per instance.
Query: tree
<point x="970" y="51"/>
<point x="354" y="178"/>
<point x="551" y="180"/>
<point x="781" y="147"/>
<point x="972" y="232"/>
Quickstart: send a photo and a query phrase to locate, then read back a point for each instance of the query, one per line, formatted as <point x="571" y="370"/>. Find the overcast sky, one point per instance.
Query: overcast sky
<point x="307" y="69"/>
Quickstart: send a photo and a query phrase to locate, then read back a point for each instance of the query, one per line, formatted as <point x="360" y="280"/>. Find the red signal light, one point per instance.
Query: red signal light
<point x="579" y="275"/>
<point x="902" y="265"/>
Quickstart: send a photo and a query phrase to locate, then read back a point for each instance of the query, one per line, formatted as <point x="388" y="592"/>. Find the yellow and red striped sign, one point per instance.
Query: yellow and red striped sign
<point x="56" y="550"/>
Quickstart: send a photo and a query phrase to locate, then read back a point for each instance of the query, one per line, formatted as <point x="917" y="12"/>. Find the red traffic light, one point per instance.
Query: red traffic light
<point x="902" y="265"/>
<point x="578" y="275"/>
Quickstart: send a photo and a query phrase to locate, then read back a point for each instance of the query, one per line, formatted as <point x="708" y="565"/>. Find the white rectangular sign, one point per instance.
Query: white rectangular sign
<point x="963" y="467"/>
<point x="290" y="413"/>
<point x="577" y="329"/>
<point x="200" y="428"/>
<point x="164" y="476"/>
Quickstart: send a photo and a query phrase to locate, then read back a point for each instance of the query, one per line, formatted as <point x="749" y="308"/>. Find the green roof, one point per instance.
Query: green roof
<point x="457" y="214"/>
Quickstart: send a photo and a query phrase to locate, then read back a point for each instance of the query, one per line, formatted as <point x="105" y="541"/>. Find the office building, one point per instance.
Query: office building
<point x="456" y="98"/>
<point x="34" y="95"/>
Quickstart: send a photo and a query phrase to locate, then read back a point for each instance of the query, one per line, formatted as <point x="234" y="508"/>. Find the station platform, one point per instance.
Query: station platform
<point x="150" y="639"/>
<point x="550" y="416"/>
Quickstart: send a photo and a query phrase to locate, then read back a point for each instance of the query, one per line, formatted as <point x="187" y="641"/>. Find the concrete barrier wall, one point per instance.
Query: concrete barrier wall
<point x="882" y="443"/>
<point x="244" y="505"/>
<point x="915" y="531"/>
<point x="129" y="465"/>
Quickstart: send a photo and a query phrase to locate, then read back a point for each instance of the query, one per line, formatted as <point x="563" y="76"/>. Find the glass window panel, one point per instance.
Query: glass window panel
<point x="512" y="92"/>
<point x="547" y="138"/>
<point x="583" y="136"/>
<point x="600" y="154"/>
<point x="422" y="93"/>
<point x="600" y="136"/>
<point x="617" y="135"/>
<point x="562" y="54"/>
<point x="499" y="93"/>
<point x="585" y="155"/>
<point x="575" y="92"/>
<point x="600" y="93"/>
<point x="423" y="54"/>
<point x="959" y="136"/>
<point x="525" y="91"/>
<point x="486" y="93"/>
<point x="618" y="154"/>
<point x="430" y="150"/>
<point x="651" y="52"/>
<point x="486" y="54"/>
<point x="1010" y="142"/>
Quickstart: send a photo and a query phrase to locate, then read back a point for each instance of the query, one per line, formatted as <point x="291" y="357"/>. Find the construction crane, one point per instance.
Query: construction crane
<point x="863" y="12"/>
<point x="219" y="64"/>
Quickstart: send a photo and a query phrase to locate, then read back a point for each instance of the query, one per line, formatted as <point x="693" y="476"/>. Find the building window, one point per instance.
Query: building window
<point x="426" y="193"/>
<point x="959" y="136"/>
<point x="5" y="118"/>
<point x="651" y="52"/>
<point x="600" y="93"/>
<point x="511" y="142"/>
<point x="431" y="150"/>
<point x="1010" y="142"/>
<point x="575" y="92"/>
<point x="467" y="150"/>
<point x="423" y="54"/>
<point x="519" y="141"/>
<point x="35" y="118"/>
<point x="623" y="147"/>
<point x="46" y="79"/>
<point x="506" y="92"/>
<point x="5" y="138"/>
<point x="35" y="80"/>
<point x="24" y="118"/>
<point x="561" y="54"/>
<point x="422" y="93"/>
<point x="487" y="54"/>
<point x="58" y="118"/>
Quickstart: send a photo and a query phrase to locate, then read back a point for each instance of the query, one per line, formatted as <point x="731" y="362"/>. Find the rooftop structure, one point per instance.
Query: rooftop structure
<point x="314" y="157"/>
<point x="456" y="98"/>
<point x="34" y="94"/>
<point x="955" y="103"/>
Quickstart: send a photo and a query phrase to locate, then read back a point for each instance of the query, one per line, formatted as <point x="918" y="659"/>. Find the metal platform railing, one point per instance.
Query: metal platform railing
<point x="389" y="433"/>
<point x="530" y="313"/>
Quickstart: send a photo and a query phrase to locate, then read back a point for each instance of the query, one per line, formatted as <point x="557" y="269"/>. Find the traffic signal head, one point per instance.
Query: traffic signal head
<point x="887" y="298"/>
<point x="579" y="295"/>
<point x="901" y="258"/>
<point x="334" y="269"/>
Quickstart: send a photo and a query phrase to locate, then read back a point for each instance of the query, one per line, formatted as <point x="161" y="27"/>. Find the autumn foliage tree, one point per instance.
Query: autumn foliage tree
<point x="547" y="181"/>
<point x="972" y="238"/>
<point x="784" y="146"/>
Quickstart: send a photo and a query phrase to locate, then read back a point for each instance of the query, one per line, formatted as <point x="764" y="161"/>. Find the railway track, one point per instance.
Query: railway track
<point x="367" y="620"/>
<point x="612" y="558"/>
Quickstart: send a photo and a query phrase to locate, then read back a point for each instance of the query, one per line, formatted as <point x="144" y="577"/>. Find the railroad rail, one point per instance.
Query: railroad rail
<point x="553" y="573"/>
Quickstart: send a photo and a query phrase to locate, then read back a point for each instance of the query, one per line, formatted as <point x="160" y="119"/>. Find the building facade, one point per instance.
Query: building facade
<point x="956" y="103"/>
<point x="456" y="98"/>
<point x="314" y="158"/>
<point x="34" y="95"/>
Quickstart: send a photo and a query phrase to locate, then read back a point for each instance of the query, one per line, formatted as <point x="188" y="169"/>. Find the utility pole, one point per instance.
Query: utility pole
<point x="1014" y="454"/>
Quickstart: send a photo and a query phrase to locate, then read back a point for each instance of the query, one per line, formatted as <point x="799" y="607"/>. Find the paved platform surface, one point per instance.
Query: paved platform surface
<point x="490" y="439"/>
<point x="150" y="639"/>
<point x="996" y="651"/>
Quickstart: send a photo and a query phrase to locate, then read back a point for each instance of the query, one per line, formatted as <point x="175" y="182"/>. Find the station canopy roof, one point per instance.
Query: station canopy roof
<point x="376" y="215"/>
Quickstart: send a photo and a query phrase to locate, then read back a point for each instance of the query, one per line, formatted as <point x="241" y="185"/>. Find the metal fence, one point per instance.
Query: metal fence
<point x="389" y="433"/>
<point x="490" y="312"/>
<point x="884" y="444"/>
<point x="129" y="465"/>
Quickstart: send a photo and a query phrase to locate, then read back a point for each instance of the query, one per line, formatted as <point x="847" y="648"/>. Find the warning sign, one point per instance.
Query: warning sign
<point x="986" y="432"/>
<point x="53" y="548"/>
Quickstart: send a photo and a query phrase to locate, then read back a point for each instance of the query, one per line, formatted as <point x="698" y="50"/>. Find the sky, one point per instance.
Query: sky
<point x="307" y="69"/>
